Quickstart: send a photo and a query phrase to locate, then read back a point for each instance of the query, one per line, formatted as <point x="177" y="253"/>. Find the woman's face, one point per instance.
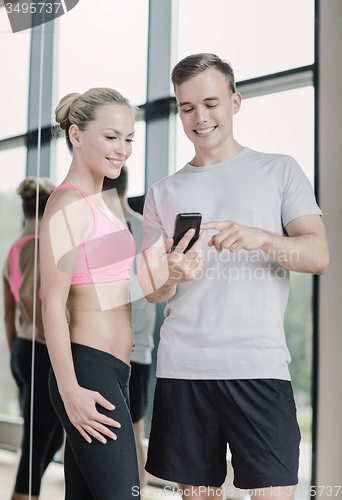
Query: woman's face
<point x="106" y="144"/>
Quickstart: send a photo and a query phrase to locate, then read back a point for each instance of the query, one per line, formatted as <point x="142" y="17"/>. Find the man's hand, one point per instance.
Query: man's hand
<point x="234" y="237"/>
<point x="304" y="249"/>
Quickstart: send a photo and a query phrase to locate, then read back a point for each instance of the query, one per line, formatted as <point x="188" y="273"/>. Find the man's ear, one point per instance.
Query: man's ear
<point x="74" y="135"/>
<point x="236" y="102"/>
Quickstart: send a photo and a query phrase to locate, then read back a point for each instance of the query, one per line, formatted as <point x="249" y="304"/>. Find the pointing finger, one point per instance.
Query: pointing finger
<point x="218" y="225"/>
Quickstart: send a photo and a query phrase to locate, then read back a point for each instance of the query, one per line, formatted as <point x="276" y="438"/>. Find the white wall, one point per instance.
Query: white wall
<point x="329" y="445"/>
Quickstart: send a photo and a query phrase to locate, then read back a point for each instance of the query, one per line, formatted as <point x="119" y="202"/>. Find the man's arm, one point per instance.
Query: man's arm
<point x="304" y="249"/>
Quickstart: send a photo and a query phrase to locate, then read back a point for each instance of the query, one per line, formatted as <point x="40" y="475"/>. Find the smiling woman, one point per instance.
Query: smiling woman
<point x="83" y="273"/>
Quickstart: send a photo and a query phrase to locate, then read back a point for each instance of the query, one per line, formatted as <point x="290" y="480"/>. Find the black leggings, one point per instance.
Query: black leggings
<point x="47" y="430"/>
<point x="99" y="471"/>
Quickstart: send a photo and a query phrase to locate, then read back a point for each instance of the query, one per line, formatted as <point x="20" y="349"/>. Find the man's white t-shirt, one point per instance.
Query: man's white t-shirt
<point x="227" y="323"/>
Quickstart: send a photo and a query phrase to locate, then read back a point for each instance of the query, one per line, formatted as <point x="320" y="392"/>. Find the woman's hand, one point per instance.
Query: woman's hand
<point x="83" y="414"/>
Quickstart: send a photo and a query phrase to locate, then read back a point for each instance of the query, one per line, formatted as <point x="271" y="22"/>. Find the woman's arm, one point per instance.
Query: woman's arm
<point x="9" y="309"/>
<point x="161" y="271"/>
<point x="54" y="241"/>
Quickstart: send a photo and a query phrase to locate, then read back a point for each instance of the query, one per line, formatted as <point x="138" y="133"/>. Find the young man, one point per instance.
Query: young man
<point x="222" y="360"/>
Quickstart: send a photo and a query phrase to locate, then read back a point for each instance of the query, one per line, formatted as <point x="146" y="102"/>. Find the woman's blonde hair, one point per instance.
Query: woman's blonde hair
<point x="28" y="192"/>
<point x="80" y="109"/>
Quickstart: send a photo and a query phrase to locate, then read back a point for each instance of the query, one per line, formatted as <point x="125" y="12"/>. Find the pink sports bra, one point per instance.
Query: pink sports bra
<point x="106" y="254"/>
<point x="15" y="277"/>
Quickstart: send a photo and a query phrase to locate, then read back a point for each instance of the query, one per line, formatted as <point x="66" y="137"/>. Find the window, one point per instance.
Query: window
<point x="14" y="64"/>
<point x="113" y="36"/>
<point x="284" y="123"/>
<point x="104" y="44"/>
<point x="136" y="163"/>
<point x="280" y="123"/>
<point x="258" y="37"/>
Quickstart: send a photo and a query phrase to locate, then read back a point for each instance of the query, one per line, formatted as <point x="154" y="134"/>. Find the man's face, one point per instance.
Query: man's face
<point x="206" y="108"/>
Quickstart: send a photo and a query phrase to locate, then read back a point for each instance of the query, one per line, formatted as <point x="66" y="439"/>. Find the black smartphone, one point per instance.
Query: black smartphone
<point x="183" y="223"/>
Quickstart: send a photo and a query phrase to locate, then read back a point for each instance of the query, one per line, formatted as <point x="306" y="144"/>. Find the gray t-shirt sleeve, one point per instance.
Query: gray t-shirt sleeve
<point x="298" y="196"/>
<point x="154" y="233"/>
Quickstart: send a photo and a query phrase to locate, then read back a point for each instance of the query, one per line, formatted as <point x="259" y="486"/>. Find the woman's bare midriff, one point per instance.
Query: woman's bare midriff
<point x="100" y="317"/>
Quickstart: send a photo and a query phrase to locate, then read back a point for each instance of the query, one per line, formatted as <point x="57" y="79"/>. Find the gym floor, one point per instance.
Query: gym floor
<point x="53" y="480"/>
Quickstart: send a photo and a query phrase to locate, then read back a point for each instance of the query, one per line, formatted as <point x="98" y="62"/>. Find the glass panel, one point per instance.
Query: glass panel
<point x="280" y="123"/>
<point x="298" y="328"/>
<point x="14" y="64"/>
<point x="258" y="37"/>
<point x="110" y="39"/>
<point x="184" y="148"/>
<point x="12" y="172"/>
<point x="136" y="163"/>
<point x="268" y="124"/>
<point x="63" y="161"/>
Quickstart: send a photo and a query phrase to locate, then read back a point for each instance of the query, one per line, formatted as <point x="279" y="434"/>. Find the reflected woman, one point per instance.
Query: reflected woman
<point x="86" y="253"/>
<point x="18" y="296"/>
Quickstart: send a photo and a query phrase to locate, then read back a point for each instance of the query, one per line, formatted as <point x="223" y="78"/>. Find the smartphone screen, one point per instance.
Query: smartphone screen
<point x="183" y="223"/>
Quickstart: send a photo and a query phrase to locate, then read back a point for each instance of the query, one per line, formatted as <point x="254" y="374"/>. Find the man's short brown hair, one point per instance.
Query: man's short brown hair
<point x="195" y="64"/>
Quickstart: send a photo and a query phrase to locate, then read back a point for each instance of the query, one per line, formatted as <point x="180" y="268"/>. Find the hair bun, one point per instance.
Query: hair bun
<point x="28" y="188"/>
<point x="63" y="109"/>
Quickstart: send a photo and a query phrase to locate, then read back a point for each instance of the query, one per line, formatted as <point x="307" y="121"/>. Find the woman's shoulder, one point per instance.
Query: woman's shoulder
<point x="63" y="197"/>
<point x="67" y="211"/>
<point x="68" y="204"/>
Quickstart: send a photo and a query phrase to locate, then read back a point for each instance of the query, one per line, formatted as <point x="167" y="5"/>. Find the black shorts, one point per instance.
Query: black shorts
<point x="138" y="384"/>
<point x="193" y="420"/>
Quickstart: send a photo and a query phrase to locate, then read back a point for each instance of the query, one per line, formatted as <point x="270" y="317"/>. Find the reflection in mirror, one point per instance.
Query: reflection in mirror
<point x="23" y="327"/>
<point x="12" y="172"/>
